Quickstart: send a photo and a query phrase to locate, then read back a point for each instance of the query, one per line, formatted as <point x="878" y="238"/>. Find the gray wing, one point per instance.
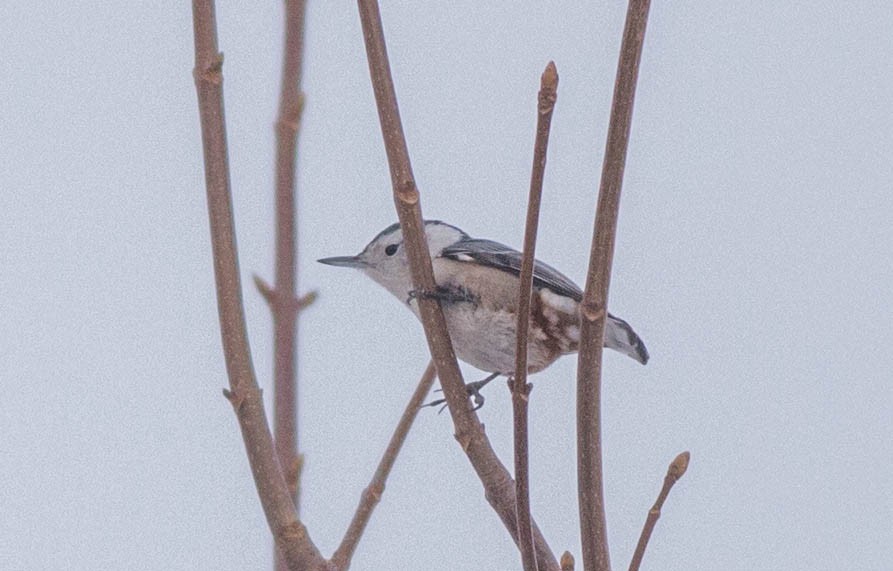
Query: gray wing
<point x="619" y="335"/>
<point x="496" y="255"/>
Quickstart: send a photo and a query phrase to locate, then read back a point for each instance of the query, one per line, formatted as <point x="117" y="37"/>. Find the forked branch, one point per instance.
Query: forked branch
<point x="498" y="485"/>
<point x="284" y="303"/>
<point x="290" y="534"/>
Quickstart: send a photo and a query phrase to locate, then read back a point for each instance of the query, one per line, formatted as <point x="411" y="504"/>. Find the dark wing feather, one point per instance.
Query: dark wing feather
<point x="496" y="255"/>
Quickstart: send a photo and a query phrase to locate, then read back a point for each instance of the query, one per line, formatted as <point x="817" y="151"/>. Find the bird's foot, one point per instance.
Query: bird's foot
<point x="442" y="294"/>
<point x="472" y="389"/>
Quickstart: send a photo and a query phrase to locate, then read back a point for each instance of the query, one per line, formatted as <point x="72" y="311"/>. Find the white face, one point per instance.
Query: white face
<point x="384" y="258"/>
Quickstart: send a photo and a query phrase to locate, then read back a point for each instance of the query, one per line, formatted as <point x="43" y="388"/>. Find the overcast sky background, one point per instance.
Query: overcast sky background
<point x="754" y="256"/>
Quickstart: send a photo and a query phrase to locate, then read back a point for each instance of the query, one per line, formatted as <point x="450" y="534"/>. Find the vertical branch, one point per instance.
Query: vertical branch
<point x="244" y="394"/>
<point x="593" y="526"/>
<point x="284" y="306"/>
<point x="282" y="303"/>
<point x="520" y="387"/>
<point x="372" y="494"/>
<point x="498" y="485"/>
<point x="676" y="470"/>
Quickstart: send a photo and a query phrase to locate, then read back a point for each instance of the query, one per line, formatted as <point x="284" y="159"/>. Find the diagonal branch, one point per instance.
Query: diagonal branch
<point x="497" y="482"/>
<point x="593" y="526"/>
<point x="372" y="494"/>
<point x="244" y="394"/>
<point x="520" y="387"/>
<point x="676" y="470"/>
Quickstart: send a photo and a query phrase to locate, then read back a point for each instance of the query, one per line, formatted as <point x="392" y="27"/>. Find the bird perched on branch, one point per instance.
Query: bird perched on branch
<point x="478" y="288"/>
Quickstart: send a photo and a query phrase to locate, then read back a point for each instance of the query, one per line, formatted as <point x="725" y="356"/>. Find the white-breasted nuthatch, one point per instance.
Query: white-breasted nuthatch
<point x="478" y="288"/>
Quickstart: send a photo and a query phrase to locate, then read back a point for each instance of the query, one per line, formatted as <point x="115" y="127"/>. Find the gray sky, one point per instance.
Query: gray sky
<point x="754" y="257"/>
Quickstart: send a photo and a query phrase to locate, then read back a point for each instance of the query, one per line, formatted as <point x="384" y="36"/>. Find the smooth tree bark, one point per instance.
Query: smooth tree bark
<point x="373" y="492"/>
<point x="282" y="300"/>
<point x="676" y="470"/>
<point x="290" y="534"/>
<point x="278" y="491"/>
<point x="519" y="386"/>
<point x="285" y="304"/>
<point x="593" y="309"/>
<point x="498" y="484"/>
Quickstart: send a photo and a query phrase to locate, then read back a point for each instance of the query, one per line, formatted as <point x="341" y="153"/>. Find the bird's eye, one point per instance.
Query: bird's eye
<point x="391" y="250"/>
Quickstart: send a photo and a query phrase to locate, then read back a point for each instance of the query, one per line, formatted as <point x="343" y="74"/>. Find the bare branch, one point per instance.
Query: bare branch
<point x="285" y="307"/>
<point x="265" y="289"/>
<point x="372" y="494"/>
<point x="676" y="470"/>
<point x="497" y="482"/>
<point x="244" y="394"/>
<point x="593" y="526"/>
<point x="290" y="302"/>
<point x="520" y="387"/>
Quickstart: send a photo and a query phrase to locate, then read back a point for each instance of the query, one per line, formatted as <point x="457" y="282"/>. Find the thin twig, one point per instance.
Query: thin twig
<point x="590" y="488"/>
<point x="520" y="387"/>
<point x="498" y="485"/>
<point x="372" y="494"/>
<point x="676" y="470"/>
<point x="295" y="304"/>
<point x="290" y="534"/>
<point x="285" y="305"/>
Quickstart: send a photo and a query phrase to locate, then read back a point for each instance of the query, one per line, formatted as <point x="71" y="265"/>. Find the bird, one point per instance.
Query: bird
<point x="478" y="287"/>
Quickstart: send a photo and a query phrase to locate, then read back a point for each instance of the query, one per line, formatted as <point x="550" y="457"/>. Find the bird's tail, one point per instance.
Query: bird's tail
<point x="619" y="335"/>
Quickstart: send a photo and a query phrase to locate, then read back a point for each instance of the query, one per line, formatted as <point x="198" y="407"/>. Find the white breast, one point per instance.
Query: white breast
<point x="483" y="332"/>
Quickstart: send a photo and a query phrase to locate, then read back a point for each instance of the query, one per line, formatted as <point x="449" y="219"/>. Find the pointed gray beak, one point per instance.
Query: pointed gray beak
<point x="344" y="261"/>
